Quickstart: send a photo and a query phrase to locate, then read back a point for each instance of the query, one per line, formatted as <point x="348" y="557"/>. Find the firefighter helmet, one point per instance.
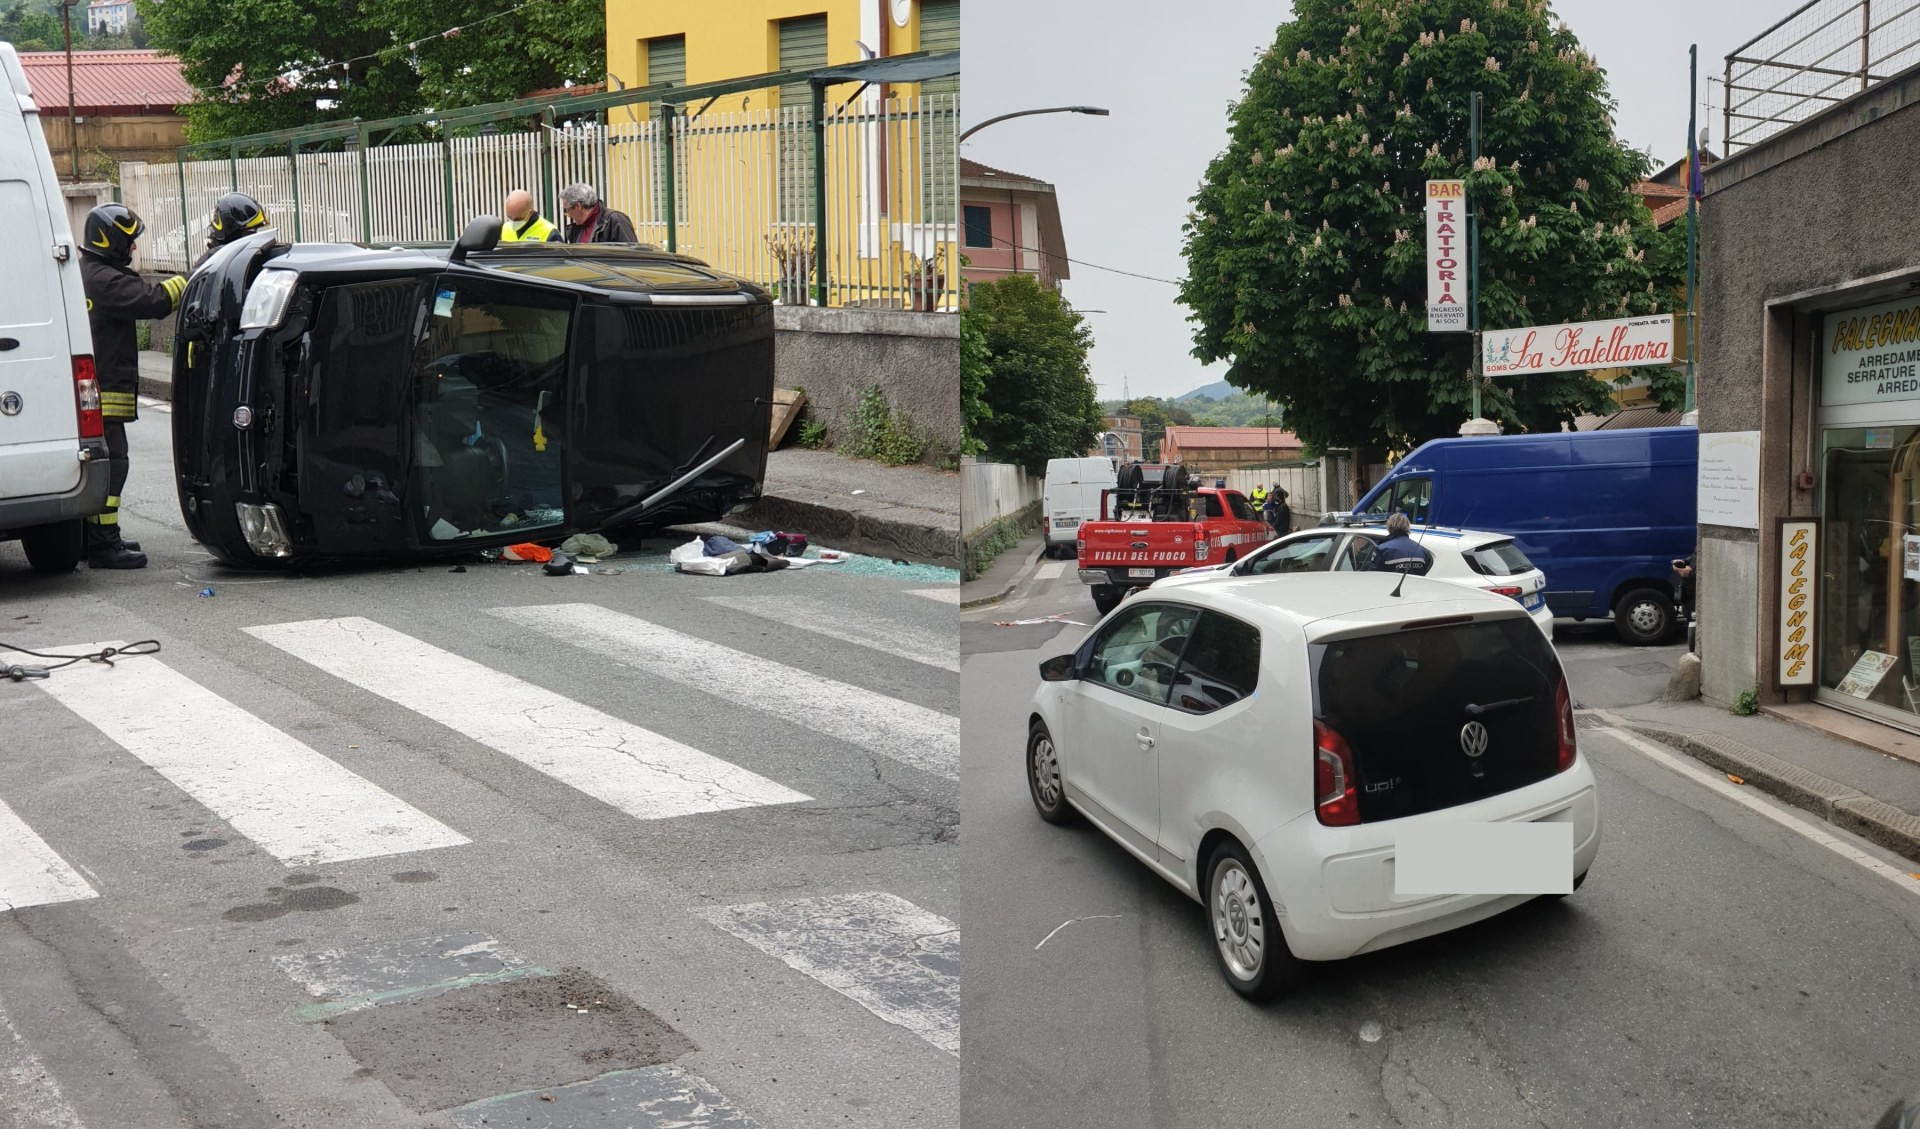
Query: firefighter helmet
<point x="110" y="232"/>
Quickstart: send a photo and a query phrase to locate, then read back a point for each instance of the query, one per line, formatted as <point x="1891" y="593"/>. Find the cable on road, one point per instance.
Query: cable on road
<point x="14" y="672"/>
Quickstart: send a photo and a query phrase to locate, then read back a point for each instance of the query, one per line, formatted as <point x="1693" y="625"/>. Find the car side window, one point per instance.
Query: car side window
<point x="1413" y="497"/>
<point x="1213" y="505"/>
<point x="1242" y="509"/>
<point x="1221" y="665"/>
<point x="1358" y="555"/>
<point x="1308" y="554"/>
<point x="1138" y="652"/>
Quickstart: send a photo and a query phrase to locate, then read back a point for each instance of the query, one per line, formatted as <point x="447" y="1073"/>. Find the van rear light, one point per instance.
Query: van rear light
<point x="1563" y="713"/>
<point x="1335" y="801"/>
<point x="1046" y="527"/>
<point x="86" y="398"/>
<point x="1507" y="590"/>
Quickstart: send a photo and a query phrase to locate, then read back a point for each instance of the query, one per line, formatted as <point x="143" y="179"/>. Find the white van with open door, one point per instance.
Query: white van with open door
<point x="53" y="456"/>
<point x="1072" y="496"/>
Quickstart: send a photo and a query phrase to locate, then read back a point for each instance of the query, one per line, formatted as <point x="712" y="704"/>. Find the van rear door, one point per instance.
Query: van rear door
<point x="42" y="311"/>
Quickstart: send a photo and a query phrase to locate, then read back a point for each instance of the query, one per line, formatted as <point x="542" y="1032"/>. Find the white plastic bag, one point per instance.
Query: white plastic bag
<point x="693" y="550"/>
<point x="705" y="566"/>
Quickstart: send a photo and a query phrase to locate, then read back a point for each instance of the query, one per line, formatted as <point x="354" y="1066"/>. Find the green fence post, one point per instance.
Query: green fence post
<point x="446" y="172"/>
<point x="366" y="184"/>
<point x="293" y="163"/>
<point x="186" y="220"/>
<point x="819" y="192"/>
<point x="547" y="189"/>
<point x="673" y="204"/>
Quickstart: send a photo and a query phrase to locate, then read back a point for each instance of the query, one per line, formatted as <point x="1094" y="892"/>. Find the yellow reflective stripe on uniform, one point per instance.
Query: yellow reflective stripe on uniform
<point x="174" y="287"/>
<point x="111" y="515"/>
<point x="119" y="398"/>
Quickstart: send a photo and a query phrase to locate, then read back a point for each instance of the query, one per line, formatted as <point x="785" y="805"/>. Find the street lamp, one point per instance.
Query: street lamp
<point x="73" y="123"/>
<point x="1096" y="111"/>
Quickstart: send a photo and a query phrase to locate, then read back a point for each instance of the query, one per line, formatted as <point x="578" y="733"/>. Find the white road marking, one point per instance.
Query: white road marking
<point x="911" y="734"/>
<point x="636" y="770"/>
<point x="900" y="962"/>
<point x="31" y="872"/>
<point x="1053" y="570"/>
<point x="27" y="1091"/>
<point x="156" y="405"/>
<point x="296" y="804"/>
<point x="653" y="1097"/>
<point x="1744" y="796"/>
<point x="851" y="625"/>
<point x="944" y="595"/>
<point x="1075" y="920"/>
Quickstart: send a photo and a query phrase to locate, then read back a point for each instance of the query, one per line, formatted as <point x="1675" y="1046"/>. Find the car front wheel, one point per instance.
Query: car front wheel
<point x="1246" y="932"/>
<point x="1043" y="776"/>
<point x="1644" y="617"/>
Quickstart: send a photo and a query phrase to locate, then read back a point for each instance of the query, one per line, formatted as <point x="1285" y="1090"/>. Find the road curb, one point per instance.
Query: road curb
<point x="1006" y="589"/>
<point x="855" y="532"/>
<point x="1839" y="804"/>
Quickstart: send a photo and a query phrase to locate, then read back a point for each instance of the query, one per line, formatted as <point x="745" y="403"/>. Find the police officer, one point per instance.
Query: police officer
<point x="116" y="298"/>
<point x="524" y="222"/>
<point x="1400" y="552"/>
<point x="234" y="215"/>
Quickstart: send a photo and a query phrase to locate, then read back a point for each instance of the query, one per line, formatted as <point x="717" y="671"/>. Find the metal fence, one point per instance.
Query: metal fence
<point x="1821" y="53"/>
<point x="735" y="189"/>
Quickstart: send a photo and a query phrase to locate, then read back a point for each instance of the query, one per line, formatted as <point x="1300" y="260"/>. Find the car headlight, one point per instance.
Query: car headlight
<point x="264" y="530"/>
<point x="267" y="299"/>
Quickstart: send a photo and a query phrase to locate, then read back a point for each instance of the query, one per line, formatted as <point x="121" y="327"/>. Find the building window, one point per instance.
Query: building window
<point x="979" y="226"/>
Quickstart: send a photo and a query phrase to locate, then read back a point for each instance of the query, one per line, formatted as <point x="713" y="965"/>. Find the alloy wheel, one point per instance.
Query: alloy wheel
<point x="1239" y="920"/>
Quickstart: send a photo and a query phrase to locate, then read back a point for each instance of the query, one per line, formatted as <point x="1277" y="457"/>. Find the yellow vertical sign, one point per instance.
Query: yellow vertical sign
<point x="1799" y="565"/>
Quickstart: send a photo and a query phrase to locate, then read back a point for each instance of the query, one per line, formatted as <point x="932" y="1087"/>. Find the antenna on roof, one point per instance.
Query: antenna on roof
<point x="1403" y="580"/>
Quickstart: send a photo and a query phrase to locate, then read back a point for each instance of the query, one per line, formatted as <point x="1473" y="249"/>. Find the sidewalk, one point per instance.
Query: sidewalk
<point x="1004" y="574"/>
<point x="1873" y="794"/>
<point x="910" y="513"/>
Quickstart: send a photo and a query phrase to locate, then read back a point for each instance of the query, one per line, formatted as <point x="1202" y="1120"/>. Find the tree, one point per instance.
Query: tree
<point x="289" y="63"/>
<point x="1042" y="402"/>
<point x="1306" y="246"/>
<point x="976" y="363"/>
<point x="1155" y="415"/>
<point x="32" y="26"/>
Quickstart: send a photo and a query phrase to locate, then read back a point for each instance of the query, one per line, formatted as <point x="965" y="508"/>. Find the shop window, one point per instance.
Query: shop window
<point x="1869" y="601"/>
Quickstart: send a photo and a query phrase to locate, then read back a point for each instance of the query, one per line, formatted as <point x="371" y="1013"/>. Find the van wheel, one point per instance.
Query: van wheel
<point x="57" y="547"/>
<point x="1044" y="781"/>
<point x="1644" y="617"/>
<point x="1246" y="932"/>
<point x="1105" y="598"/>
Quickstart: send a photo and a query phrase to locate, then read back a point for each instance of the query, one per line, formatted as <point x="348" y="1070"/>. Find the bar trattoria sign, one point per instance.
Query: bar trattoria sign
<point x="1446" y="256"/>
<point x="1871" y="354"/>
<point x="1535" y="349"/>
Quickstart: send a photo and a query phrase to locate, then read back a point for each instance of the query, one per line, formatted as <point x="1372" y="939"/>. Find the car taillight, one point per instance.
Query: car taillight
<point x="1335" y="800"/>
<point x="1507" y="590"/>
<point x="86" y="398"/>
<point x="1563" y="712"/>
<point x="1046" y="525"/>
<point x="1200" y="550"/>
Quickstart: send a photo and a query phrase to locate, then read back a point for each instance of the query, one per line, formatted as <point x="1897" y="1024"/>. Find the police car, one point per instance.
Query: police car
<point x="1488" y="561"/>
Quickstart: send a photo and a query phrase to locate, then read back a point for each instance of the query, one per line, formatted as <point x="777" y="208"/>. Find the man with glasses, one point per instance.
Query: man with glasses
<point x="590" y="221"/>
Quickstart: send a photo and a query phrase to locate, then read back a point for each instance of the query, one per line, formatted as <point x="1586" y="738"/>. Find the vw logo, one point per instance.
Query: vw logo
<point x="1473" y="738"/>
<point x="10" y="404"/>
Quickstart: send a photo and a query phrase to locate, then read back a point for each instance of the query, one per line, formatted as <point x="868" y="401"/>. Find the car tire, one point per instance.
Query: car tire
<point x="1105" y="598"/>
<point x="1247" y="941"/>
<point x="1044" y="782"/>
<point x="57" y="547"/>
<point x="1644" y="617"/>
<point x="1577" y="881"/>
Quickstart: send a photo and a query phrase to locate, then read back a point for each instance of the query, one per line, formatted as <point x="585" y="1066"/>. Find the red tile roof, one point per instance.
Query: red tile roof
<point x="1244" y="438"/>
<point x="106" y="82"/>
<point x="1670" y="211"/>
<point x="974" y="169"/>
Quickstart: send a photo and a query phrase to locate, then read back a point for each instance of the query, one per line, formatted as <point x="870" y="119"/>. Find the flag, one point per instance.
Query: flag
<point x="1696" y="177"/>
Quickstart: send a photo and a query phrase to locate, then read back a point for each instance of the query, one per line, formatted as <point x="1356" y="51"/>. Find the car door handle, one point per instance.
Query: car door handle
<point x="1145" y="739"/>
<point x="7" y="344"/>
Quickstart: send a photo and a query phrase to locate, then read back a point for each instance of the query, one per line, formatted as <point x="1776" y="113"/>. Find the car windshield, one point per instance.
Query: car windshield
<point x="1501" y="558"/>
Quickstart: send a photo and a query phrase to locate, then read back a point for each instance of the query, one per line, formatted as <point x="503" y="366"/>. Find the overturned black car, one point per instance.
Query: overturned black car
<point x="339" y="400"/>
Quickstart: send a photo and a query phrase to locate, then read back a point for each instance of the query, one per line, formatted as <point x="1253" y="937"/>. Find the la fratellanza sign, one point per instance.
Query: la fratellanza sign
<point x="1536" y="349"/>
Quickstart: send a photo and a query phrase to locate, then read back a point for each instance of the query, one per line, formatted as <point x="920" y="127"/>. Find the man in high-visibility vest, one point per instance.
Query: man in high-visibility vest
<point x="1259" y="496"/>
<point x="524" y="222"/>
<point x="117" y="297"/>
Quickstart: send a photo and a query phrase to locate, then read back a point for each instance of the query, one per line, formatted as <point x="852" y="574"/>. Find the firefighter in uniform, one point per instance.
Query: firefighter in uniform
<point x="1259" y="496"/>
<point x="234" y="215"/>
<point x="116" y="298"/>
<point x="524" y="223"/>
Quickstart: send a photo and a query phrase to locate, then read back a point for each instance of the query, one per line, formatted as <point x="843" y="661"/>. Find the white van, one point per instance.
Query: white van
<point x="1073" y="496"/>
<point x="53" y="457"/>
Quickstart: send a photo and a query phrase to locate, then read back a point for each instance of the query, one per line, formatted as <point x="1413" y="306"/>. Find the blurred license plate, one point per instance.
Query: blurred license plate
<point x="1533" y="601"/>
<point x="1066" y="522"/>
<point x="1140" y="573"/>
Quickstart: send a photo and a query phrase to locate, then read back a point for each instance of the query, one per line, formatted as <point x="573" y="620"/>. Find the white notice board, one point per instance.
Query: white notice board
<point x="1729" y="490"/>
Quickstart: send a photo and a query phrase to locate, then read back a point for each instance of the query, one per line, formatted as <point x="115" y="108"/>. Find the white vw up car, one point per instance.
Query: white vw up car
<point x="1264" y="747"/>
<point x="53" y="457"/>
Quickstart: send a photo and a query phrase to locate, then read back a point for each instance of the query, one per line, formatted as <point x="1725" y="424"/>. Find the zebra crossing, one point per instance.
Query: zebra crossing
<point x="230" y="753"/>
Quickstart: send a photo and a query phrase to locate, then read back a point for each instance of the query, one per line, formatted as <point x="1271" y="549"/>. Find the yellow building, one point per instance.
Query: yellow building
<point x="743" y="163"/>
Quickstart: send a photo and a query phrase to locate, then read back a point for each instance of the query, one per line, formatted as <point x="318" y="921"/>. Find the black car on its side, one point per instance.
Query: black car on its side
<point x="344" y="400"/>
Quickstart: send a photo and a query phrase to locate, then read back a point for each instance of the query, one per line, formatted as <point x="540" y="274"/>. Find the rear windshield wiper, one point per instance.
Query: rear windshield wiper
<point x="1474" y="710"/>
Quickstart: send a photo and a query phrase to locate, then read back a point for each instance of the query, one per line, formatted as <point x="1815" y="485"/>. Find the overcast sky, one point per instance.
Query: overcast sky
<point x="1167" y="70"/>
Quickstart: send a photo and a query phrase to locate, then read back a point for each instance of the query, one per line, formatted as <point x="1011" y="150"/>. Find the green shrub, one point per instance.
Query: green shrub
<point x="1747" y="703"/>
<point x="880" y="433"/>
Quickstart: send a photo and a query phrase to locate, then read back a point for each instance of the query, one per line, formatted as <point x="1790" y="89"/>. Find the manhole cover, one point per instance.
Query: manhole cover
<point x="1647" y="668"/>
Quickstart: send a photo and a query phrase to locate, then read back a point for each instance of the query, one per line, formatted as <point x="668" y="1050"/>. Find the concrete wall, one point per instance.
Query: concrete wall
<point x="1795" y="224"/>
<point x="836" y="353"/>
<point x="106" y="141"/>
<point x="991" y="491"/>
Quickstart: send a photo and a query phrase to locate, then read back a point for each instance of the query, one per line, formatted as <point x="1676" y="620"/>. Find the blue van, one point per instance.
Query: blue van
<point x="1603" y="513"/>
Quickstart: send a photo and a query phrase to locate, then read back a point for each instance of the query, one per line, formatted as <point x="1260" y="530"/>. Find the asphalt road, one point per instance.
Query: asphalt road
<point x="1718" y="968"/>
<point x="400" y="846"/>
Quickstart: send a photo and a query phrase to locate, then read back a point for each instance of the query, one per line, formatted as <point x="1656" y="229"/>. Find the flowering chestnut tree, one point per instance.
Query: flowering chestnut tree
<point x="1306" y="246"/>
